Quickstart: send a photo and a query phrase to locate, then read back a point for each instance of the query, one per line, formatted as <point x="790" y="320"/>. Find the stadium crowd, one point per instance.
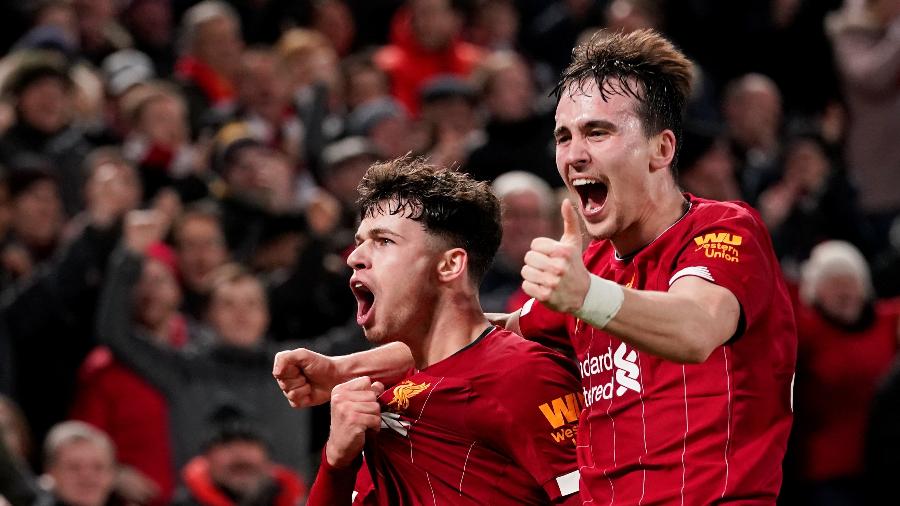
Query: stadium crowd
<point x="177" y="202"/>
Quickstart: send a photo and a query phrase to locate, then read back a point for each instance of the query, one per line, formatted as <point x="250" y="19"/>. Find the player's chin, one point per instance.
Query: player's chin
<point x="600" y="230"/>
<point x="374" y="335"/>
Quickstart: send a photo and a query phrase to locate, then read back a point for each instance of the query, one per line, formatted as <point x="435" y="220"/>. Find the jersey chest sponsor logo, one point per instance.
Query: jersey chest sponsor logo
<point x="624" y="374"/>
<point x="405" y="391"/>
<point x="721" y="245"/>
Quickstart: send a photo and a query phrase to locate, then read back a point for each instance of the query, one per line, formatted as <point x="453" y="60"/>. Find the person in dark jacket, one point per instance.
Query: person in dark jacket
<point x="235" y="468"/>
<point x="229" y="363"/>
<point x="43" y="133"/>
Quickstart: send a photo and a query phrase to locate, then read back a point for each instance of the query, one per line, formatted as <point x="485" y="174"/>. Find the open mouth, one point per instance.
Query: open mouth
<point x="365" y="301"/>
<point x="592" y="193"/>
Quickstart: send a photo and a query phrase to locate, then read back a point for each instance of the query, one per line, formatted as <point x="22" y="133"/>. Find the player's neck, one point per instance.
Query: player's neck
<point x="660" y="214"/>
<point x="456" y="324"/>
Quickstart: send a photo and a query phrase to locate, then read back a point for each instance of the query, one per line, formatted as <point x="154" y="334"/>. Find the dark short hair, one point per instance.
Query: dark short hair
<point x="448" y="203"/>
<point x="641" y="64"/>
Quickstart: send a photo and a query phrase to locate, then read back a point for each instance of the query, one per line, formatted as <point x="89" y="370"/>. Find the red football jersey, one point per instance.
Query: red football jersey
<point x="494" y="423"/>
<point x="655" y="431"/>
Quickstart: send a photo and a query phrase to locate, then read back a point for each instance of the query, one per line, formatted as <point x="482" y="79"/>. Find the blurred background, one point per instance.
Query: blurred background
<point x="177" y="182"/>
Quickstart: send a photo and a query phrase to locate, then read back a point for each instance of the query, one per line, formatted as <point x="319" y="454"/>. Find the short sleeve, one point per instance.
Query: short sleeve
<point x="734" y="252"/>
<point x="541" y="420"/>
<point x="545" y="326"/>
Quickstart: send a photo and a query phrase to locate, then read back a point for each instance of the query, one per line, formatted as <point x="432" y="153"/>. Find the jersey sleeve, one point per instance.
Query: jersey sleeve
<point x="539" y="412"/>
<point x="545" y="326"/>
<point x="335" y="487"/>
<point x="734" y="252"/>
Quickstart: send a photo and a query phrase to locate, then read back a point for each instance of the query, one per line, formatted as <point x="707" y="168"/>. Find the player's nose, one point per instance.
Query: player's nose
<point x="358" y="259"/>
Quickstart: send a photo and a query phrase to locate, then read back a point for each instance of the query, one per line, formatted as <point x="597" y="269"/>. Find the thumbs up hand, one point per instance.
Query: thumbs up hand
<point x="554" y="272"/>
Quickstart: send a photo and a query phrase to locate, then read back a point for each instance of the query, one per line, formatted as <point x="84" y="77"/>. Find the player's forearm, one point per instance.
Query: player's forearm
<point x="386" y="364"/>
<point x="673" y="326"/>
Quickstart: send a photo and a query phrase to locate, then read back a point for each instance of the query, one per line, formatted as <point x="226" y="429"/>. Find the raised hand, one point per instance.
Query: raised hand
<point x="305" y="377"/>
<point x="143" y="228"/>
<point x="554" y="272"/>
<point x="354" y="410"/>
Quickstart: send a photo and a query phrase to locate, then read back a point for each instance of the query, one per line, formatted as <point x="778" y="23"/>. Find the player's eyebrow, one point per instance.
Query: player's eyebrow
<point x="560" y="131"/>
<point x="598" y="123"/>
<point x="375" y="232"/>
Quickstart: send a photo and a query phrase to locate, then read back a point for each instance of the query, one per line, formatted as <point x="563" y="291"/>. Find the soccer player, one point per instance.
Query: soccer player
<point x="676" y="311"/>
<point x="483" y="416"/>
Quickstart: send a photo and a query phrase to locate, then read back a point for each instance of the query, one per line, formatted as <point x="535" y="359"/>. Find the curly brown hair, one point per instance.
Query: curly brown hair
<point x="641" y="64"/>
<point x="449" y="204"/>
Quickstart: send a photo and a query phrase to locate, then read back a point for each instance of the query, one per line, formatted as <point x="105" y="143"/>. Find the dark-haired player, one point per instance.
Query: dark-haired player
<point x="484" y="416"/>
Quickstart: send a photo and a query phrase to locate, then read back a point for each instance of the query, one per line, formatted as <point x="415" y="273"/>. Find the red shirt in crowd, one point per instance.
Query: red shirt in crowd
<point x="838" y="372"/>
<point x="494" y="423"/>
<point x="659" y="432"/>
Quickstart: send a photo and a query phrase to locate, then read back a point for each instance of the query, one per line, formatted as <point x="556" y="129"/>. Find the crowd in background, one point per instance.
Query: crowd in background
<point x="177" y="188"/>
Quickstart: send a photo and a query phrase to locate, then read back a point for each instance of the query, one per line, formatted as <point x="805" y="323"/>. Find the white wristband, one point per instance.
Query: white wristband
<point x="602" y="302"/>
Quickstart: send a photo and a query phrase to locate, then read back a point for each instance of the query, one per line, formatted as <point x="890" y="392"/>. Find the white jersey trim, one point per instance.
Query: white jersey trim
<point x="569" y="483"/>
<point x="698" y="271"/>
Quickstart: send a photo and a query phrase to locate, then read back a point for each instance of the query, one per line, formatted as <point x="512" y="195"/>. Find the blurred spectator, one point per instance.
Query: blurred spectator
<point x="201" y="249"/>
<point x="631" y="15"/>
<point x="43" y="133"/>
<point x="448" y="109"/>
<point x="230" y="364"/>
<point x="344" y="164"/>
<point x="80" y="465"/>
<point x="528" y="211"/>
<point x="17" y="484"/>
<point x="847" y="340"/>
<point x="158" y="137"/>
<point x="752" y="111"/>
<point x="150" y="24"/>
<point x="235" y="467"/>
<point x="495" y="25"/>
<point x="385" y="123"/>
<point x="56" y="18"/>
<point x="364" y="81"/>
<point x="123" y="72"/>
<point x="209" y="47"/>
<point x="866" y="40"/>
<point x="56" y="308"/>
<point x="35" y="226"/>
<point x="333" y="19"/>
<point x="314" y="81"/>
<point x="706" y="167"/>
<point x="264" y="103"/>
<point x="14" y="432"/>
<point x="134" y="413"/>
<point x="517" y="122"/>
<point x="813" y="201"/>
<point x="99" y="29"/>
<point x="425" y="42"/>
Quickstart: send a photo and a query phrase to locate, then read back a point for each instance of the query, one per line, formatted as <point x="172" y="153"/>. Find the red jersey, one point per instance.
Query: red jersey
<point x="660" y="432"/>
<point x="839" y="371"/>
<point x="495" y="423"/>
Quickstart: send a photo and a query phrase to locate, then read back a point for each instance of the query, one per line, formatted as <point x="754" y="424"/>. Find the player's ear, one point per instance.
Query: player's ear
<point x="662" y="150"/>
<point x="452" y="264"/>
